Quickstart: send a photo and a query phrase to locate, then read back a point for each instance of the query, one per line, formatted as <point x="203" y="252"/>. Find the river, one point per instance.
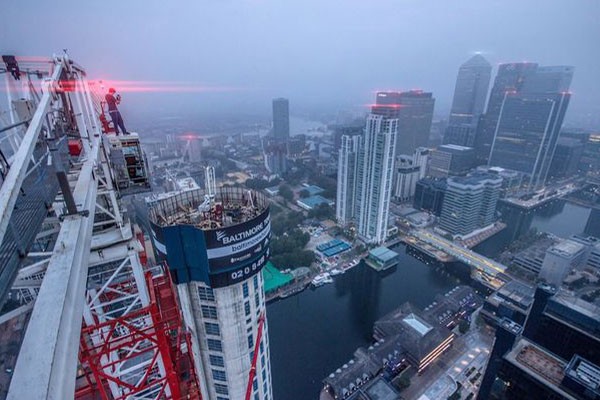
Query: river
<point x="315" y="332"/>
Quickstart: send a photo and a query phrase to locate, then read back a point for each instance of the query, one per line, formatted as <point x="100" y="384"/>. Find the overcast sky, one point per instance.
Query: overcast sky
<point x="318" y="53"/>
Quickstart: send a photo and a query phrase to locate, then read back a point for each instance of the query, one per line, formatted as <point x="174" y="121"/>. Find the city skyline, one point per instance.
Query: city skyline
<point x="295" y="75"/>
<point x="338" y="200"/>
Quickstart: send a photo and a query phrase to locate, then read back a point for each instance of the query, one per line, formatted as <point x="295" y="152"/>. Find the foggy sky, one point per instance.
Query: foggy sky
<point x="318" y="53"/>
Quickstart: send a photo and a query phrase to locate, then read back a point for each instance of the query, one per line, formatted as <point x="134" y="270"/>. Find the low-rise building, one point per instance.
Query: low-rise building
<point x="560" y="259"/>
<point x="532" y="258"/>
<point x="451" y="160"/>
<point x="512" y="301"/>
<point x="382" y="258"/>
<point x="314" y="201"/>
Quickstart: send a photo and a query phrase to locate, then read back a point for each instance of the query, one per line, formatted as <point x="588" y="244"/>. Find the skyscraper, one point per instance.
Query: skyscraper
<point x="527" y="132"/>
<point x="281" y="118"/>
<point x="510" y="77"/>
<point x="468" y="104"/>
<point x="470" y="203"/>
<point x="516" y="79"/>
<point x="275" y="146"/>
<point x="216" y="243"/>
<point x="470" y="91"/>
<point x="414" y="110"/>
<point x="375" y="171"/>
<point x="347" y="178"/>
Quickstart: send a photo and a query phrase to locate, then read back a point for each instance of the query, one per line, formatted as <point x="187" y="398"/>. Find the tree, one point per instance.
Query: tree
<point x="285" y="191"/>
<point x="322" y="211"/>
<point x="304" y="194"/>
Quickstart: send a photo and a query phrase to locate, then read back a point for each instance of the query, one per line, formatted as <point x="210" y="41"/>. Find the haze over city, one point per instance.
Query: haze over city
<point x="300" y="200"/>
<point x="322" y="55"/>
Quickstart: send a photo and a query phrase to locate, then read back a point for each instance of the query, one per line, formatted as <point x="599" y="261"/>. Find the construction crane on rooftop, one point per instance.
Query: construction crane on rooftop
<point x="103" y="325"/>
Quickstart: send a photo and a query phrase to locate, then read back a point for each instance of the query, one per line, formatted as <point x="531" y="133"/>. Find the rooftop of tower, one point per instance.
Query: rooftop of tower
<point x="228" y="207"/>
<point x="477" y="61"/>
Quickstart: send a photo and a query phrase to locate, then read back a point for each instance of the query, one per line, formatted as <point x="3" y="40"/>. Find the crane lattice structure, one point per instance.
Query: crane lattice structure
<point x="102" y="325"/>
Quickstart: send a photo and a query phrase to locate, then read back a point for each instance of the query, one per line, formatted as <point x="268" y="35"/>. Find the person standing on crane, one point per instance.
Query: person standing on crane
<point x="112" y="99"/>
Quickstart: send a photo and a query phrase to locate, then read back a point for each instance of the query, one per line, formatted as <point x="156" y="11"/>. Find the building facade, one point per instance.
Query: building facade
<point x="414" y="111"/>
<point x="592" y="226"/>
<point x="347" y="179"/>
<point x="275" y="155"/>
<point x="281" y="119"/>
<point x="554" y="356"/>
<point x="590" y="159"/>
<point x="451" y="160"/>
<point x="527" y="133"/>
<point x="468" y="104"/>
<point x="375" y="173"/>
<point x="567" y="158"/>
<point x="429" y="195"/>
<point x="510" y="78"/>
<point x="560" y="259"/>
<point x="470" y="203"/>
<point x="421" y="159"/>
<point x="407" y="175"/>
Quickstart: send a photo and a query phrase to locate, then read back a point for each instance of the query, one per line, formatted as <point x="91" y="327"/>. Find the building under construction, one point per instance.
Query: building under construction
<point x="96" y="320"/>
<point x="216" y="242"/>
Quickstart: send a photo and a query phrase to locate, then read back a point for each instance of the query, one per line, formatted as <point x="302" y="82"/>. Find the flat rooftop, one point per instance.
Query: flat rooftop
<point x="313" y="189"/>
<point x="566" y="248"/>
<point x="585" y="373"/>
<point x="514" y="292"/>
<point x="379" y="389"/>
<point x="455" y="147"/>
<point x="313" y="201"/>
<point x="417" y="324"/>
<point x="578" y="305"/>
<point x="531" y="358"/>
<point x="383" y="253"/>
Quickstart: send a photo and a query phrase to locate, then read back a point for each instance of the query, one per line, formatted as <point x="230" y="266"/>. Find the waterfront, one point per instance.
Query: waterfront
<point x="317" y="331"/>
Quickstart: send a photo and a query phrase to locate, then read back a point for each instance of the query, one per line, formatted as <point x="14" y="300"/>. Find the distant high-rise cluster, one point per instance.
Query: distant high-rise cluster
<point x="520" y="127"/>
<point x="523" y="119"/>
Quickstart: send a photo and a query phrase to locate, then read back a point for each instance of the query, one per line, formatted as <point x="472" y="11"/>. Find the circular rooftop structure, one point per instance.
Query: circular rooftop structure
<point x="219" y="239"/>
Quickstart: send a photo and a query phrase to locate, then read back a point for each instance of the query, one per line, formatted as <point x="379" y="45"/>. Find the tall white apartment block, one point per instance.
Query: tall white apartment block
<point x="375" y="172"/>
<point x="347" y="179"/>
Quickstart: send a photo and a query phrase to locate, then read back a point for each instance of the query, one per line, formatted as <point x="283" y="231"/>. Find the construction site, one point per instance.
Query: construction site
<point x="85" y="314"/>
